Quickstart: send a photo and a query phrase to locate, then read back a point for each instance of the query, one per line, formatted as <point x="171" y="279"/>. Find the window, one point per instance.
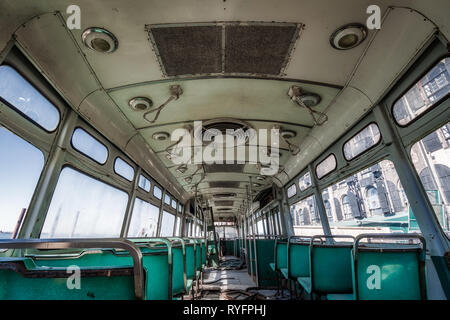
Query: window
<point x="144" y="183"/>
<point x="167" y="222"/>
<point x="157" y="192"/>
<point x="369" y="201"/>
<point x="123" y="169"/>
<point x="362" y="141"/>
<point x="433" y="167"/>
<point x="326" y="166"/>
<point x="174" y="203"/>
<point x="305" y="217"/>
<point x="22" y="96"/>
<point x="167" y="199"/>
<point x="89" y="146"/>
<point x="21" y="165"/>
<point x="84" y="207"/>
<point x="291" y="191"/>
<point x="427" y="92"/>
<point x="180" y="208"/>
<point x="144" y="219"/>
<point x="177" y="227"/>
<point x="305" y="181"/>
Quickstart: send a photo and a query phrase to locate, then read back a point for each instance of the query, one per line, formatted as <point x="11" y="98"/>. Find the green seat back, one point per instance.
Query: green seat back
<point x="388" y="275"/>
<point x="190" y="261"/>
<point x="264" y="256"/>
<point x="281" y="256"/>
<point x="298" y="260"/>
<point x="178" y="270"/>
<point x="331" y="269"/>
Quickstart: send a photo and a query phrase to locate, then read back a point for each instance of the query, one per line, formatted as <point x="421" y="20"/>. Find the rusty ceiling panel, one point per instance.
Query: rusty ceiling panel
<point x="188" y="50"/>
<point x="260" y="49"/>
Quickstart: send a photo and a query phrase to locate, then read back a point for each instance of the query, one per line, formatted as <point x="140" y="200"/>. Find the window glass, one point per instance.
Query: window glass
<point x="84" y="207"/>
<point x="291" y="191"/>
<point x="21" y="95"/>
<point x="167" y="199"/>
<point x="177" y="227"/>
<point x="174" y="204"/>
<point x="364" y="140"/>
<point x="370" y="201"/>
<point x="21" y="165"/>
<point x="180" y="208"/>
<point x="326" y="166"/>
<point x="157" y="192"/>
<point x="123" y="169"/>
<point x="144" y="219"/>
<point x="431" y="158"/>
<point x="305" y="217"/>
<point x="433" y="87"/>
<point x="167" y="222"/>
<point x="89" y="146"/>
<point x="305" y="181"/>
<point x="144" y="183"/>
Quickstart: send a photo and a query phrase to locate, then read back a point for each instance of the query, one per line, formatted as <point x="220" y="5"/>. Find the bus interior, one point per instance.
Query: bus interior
<point x="224" y="150"/>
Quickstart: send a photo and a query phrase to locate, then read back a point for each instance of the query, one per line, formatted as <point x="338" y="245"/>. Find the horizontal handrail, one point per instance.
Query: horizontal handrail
<point x="49" y="244"/>
<point x="330" y="237"/>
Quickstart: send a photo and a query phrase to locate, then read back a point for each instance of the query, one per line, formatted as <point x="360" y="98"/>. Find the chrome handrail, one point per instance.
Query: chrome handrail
<point x="49" y="244"/>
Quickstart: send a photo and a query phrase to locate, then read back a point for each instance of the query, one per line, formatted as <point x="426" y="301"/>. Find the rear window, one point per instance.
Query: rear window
<point x="19" y="94"/>
<point x="427" y="92"/>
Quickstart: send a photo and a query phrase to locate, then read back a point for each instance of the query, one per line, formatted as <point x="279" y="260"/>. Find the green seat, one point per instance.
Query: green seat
<point x="284" y="272"/>
<point x="272" y="266"/>
<point x="305" y="282"/>
<point x="330" y="267"/>
<point x="298" y="257"/>
<point x="388" y="271"/>
<point x="190" y="265"/>
<point x="342" y="296"/>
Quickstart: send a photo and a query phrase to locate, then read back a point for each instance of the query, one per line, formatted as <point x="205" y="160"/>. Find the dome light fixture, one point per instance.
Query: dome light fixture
<point x="287" y="134"/>
<point x="140" y="103"/>
<point x="348" y="36"/>
<point x="310" y="99"/>
<point x="100" y="40"/>
<point x="160" y="136"/>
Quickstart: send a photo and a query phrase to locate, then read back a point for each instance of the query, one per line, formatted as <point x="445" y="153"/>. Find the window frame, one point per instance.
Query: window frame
<point x="329" y="172"/>
<point x="118" y="174"/>
<point x="15" y="109"/>
<point x="366" y="150"/>
<point x="403" y="93"/>
<point x="86" y="155"/>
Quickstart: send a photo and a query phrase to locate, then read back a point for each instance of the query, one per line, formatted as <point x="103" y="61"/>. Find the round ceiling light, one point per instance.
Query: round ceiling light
<point x="100" y="40"/>
<point x="140" y="103"/>
<point x="288" y="134"/>
<point x="310" y="99"/>
<point x="348" y="36"/>
<point x="160" y="136"/>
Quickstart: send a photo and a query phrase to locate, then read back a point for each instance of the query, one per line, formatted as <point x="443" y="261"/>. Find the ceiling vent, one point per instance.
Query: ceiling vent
<point x="236" y="128"/>
<point x="249" y="48"/>
<point x="225" y="195"/>
<point x="224" y="184"/>
<point x="227" y="168"/>
<point x="224" y="203"/>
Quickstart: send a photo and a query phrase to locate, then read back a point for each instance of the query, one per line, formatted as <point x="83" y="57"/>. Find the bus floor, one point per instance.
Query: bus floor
<point x="231" y="281"/>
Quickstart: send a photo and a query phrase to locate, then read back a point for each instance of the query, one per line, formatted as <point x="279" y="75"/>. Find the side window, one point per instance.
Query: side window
<point x="19" y="94"/>
<point x="177" y="226"/>
<point x="305" y="217"/>
<point x="144" y="183"/>
<point x="174" y="203"/>
<point x="144" y="219"/>
<point x="427" y="92"/>
<point x="326" y="166"/>
<point x="157" y="192"/>
<point x="291" y="191"/>
<point x="305" y="181"/>
<point x="431" y="158"/>
<point x="84" y="207"/>
<point x="123" y="169"/>
<point x="370" y="201"/>
<point x="89" y="146"/>
<point x="167" y="199"/>
<point x="167" y="222"/>
<point x="362" y="141"/>
<point x="21" y="165"/>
